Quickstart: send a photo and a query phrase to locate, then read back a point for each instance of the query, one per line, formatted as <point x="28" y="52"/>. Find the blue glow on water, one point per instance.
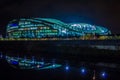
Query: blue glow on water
<point x="42" y="63"/>
<point x="83" y="71"/>
<point x="14" y="25"/>
<point x="67" y="68"/>
<point x="103" y="74"/>
<point x="53" y="65"/>
<point x="14" y="62"/>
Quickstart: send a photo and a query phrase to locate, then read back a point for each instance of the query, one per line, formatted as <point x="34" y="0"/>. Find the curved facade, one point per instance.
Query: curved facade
<point x="46" y="27"/>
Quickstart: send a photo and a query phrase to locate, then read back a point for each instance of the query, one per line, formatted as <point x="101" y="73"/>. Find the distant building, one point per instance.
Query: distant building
<point x="47" y="28"/>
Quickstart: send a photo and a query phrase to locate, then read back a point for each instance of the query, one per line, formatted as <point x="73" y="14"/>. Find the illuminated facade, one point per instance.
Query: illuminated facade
<point x="51" y="28"/>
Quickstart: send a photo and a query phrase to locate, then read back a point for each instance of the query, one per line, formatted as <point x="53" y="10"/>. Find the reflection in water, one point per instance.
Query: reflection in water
<point x="99" y="70"/>
<point x="24" y="63"/>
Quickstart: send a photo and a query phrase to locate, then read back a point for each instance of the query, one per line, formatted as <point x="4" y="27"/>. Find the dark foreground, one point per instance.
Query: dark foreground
<point x="73" y="54"/>
<point x="9" y="73"/>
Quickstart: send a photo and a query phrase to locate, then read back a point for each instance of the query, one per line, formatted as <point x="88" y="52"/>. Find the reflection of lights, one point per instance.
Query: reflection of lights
<point x="24" y="63"/>
<point x="42" y="63"/>
<point x="67" y="68"/>
<point x="38" y="66"/>
<point x="53" y="65"/>
<point x="83" y="71"/>
<point x="14" y="62"/>
<point x="103" y="74"/>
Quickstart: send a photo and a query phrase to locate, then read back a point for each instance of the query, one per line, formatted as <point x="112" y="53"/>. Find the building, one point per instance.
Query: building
<point x="51" y="28"/>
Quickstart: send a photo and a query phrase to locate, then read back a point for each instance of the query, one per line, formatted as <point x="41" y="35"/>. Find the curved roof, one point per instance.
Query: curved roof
<point x="80" y="28"/>
<point x="89" y="28"/>
<point x="52" y="20"/>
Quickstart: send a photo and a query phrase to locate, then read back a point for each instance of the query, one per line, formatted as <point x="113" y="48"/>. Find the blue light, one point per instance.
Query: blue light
<point x="38" y="66"/>
<point x="27" y="64"/>
<point x="103" y="74"/>
<point x="42" y="63"/>
<point x="14" y="62"/>
<point x="67" y="68"/>
<point x="14" y="25"/>
<point x="83" y="71"/>
<point x="53" y="65"/>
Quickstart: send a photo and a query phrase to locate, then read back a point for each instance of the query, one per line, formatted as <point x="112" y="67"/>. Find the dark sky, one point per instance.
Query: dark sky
<point x="99" y="12"/>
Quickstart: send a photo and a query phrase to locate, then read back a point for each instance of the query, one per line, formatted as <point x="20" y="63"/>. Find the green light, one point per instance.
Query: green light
<point x="51" y="66"/>
<point x="47" y="27"/>
<point x="25" y="63"/>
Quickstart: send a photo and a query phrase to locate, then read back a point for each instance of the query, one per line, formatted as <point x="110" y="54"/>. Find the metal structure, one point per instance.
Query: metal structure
<point x="51" y="28"/>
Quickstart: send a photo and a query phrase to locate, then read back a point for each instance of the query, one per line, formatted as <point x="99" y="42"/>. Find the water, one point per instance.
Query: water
<point x="83" y="71"/>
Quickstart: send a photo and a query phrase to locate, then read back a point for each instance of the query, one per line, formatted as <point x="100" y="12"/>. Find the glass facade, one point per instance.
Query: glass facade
<point x="51" y="28"/>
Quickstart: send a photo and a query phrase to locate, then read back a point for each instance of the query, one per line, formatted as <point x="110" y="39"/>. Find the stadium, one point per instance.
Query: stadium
<point x="51" y="28"/>
<point x="51" y="45"/>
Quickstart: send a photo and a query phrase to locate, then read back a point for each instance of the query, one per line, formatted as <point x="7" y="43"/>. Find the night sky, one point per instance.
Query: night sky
<point x="103" y="12"/>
